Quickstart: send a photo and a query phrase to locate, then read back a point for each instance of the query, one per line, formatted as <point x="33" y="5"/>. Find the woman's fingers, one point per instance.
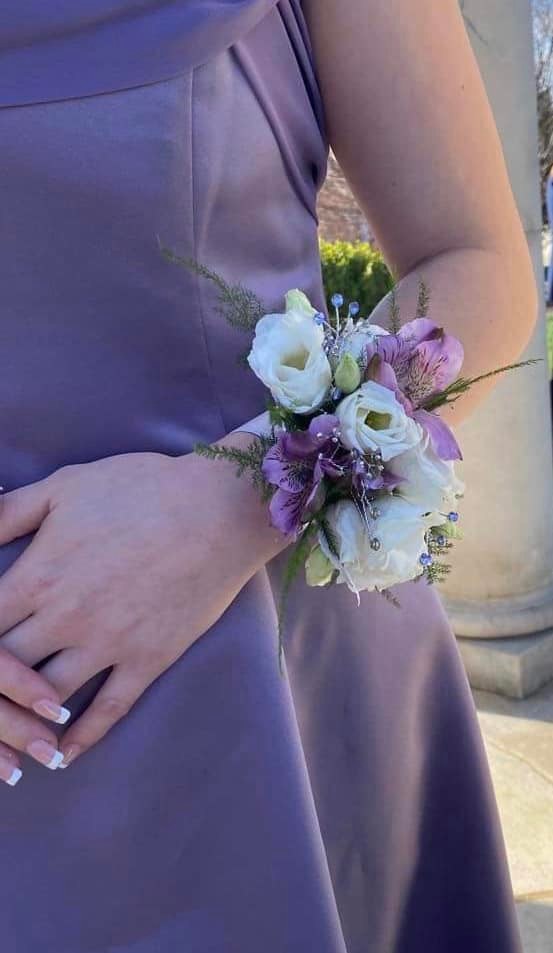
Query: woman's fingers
<point x="24" y="732"/>
<point x="69" y="670"/>
<point x="23" y="510"/>
<point x="34" y="639"/>
<point x="16" y="602"/>
<point x="29" y="690"/>
<point x="10" y="770"/>
<point x="113" y="701"/>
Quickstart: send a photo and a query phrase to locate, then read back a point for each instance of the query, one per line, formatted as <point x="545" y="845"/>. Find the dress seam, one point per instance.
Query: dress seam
<point x="198" y="290"/>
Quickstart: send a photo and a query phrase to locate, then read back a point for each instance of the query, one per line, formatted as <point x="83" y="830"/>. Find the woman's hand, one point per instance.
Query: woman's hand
<point x="135" y="557"/>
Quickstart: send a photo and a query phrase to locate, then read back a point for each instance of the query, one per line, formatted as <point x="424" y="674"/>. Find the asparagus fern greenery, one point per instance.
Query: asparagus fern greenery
<point x="248" y="460"/>
<point x="423" y="300"/>
<point x="459" y="387"/>
<point x="395" y="319"/>
<point x="238" y="305"/>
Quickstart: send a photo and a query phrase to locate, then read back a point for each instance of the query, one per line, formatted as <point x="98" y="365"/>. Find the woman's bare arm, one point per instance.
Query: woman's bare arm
<point x="411" y="125"/>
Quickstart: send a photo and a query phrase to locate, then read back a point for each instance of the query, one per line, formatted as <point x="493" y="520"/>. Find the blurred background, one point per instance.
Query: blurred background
<point x="500" y="595"/>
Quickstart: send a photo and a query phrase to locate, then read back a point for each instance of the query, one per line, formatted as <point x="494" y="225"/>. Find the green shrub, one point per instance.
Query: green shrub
<point x="357" y="271"/>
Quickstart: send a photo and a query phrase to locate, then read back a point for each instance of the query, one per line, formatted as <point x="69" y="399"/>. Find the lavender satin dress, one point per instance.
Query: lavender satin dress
<point x="347" y="807"/>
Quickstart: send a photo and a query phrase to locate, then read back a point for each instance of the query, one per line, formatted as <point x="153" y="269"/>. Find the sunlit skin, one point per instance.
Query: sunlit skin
<point x="110" y="578"/>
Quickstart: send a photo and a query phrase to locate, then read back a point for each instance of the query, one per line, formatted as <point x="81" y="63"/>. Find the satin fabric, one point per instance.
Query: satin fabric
<point x="70" y="48"/>
<point x="347" y="806"/>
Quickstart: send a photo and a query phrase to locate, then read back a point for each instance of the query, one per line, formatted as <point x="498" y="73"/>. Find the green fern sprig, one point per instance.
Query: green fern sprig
<point x="240" y="306"/>
<point x="459" y="387"/>
<point x="395" y="320"/>
<point x="248" y="460"/>
<point x="435" y="573"/>
<point x="282" y="417"/>
<point x="423" y="300"/>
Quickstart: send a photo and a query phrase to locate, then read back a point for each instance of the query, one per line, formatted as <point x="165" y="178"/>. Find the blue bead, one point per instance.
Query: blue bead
<point x="426" y="559"/>
<point x="319" y="318"/>
<point x="337" y="300"/>
<point x="441" y="540"/>
<point x="453" y="516"/>
<point x="354" y="308"/>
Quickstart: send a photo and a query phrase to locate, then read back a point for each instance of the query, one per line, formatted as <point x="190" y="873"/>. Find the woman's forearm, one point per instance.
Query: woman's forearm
<point x="244" y="531"/>
<point x="409" y="119"/>
<point x="486" y="298"/>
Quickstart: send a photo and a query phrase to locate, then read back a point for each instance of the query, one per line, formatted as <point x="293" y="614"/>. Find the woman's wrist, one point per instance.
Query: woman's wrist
<point x="238" y="511"/>
<point x="249" y="512"/>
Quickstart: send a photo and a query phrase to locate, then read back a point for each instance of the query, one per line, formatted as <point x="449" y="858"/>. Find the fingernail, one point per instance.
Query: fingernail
<point x="49" y="709"/>
<point x="14" y="777"/>
<point x="10" y="775"/>
<point x="44" y="752"/>
<point x="69" y="755"/>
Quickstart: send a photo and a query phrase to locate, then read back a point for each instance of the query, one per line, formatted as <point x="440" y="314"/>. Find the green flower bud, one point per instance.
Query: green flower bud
<point x="297" y="301"/>
<point x="348" y="374"/>
<point x="318" y="568"/>
<point x="451" y="530"/>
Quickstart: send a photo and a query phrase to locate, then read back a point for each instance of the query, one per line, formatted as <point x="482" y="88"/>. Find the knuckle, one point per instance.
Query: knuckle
<point x="10" y="502"/>
<point x="41" y="579"/>
<point x="62" y="476"/>
<point x="112" y="708"/>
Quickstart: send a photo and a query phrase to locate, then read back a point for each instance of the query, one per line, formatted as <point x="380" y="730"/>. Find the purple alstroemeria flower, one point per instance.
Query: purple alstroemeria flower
<point x="416" y="363"/>
<point x="296" y="465"/>
<point x="422" y="356"/>
<point x="382" y="372"/>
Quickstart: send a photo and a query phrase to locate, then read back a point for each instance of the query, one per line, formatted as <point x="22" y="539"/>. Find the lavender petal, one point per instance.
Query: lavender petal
<point x="442" y="440"/>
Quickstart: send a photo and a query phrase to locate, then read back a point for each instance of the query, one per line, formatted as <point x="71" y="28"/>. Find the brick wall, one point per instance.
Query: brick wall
<point x="340" y="217"/>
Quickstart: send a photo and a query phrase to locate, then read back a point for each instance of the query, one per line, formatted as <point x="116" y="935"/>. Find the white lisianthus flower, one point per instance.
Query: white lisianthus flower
<point x="372" y="419"/>
<point x="400" y="532"/>
<point x="356" y="342"/>
<point x="429" y="483"/>
<point x="287" y="355"/>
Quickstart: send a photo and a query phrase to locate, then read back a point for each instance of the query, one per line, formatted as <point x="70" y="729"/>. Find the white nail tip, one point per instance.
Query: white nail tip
<point x="14" y="777"/>
<point x="63" y="716"/>
<point x="55" y="760"/>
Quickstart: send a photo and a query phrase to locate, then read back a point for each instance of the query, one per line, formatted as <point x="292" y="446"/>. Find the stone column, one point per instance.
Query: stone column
<point x="502" y="583"/>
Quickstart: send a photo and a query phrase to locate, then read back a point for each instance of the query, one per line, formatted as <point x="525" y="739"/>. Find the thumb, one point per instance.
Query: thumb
<point x="23" y="510"/>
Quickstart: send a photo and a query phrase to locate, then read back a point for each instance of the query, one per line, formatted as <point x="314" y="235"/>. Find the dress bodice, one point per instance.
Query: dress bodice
<point x="72" y="48"/>
<point x="198" y="121"/>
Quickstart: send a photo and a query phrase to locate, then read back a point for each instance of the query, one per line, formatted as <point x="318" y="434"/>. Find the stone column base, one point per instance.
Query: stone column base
<point x="515" y="615"/>
<point x="515" y="666"/>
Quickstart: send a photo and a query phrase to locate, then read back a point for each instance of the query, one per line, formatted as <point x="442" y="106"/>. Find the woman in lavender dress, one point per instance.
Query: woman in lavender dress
<point x="210" y="805"/>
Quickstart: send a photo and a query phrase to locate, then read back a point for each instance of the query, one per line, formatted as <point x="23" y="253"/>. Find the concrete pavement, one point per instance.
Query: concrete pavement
<point x="518" y="736"/>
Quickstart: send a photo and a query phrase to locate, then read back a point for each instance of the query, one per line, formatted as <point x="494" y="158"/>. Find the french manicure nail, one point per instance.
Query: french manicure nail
<point x="44" y="752"/>
<point x="69" y="755"/>
<point x="51" y="711"/>
<point x="9" y="774"/>
<point x="14" y="777"/>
